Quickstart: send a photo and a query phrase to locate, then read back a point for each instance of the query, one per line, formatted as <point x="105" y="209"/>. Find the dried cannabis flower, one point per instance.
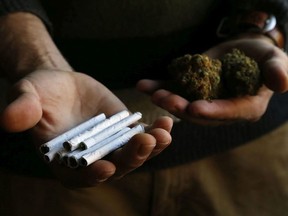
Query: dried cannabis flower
<point x="241" y="75"/>
<point x="204" y="78"/>
<point x="198" y="74"/>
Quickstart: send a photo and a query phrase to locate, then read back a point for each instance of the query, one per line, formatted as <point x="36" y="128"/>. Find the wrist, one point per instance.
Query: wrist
<point x="27" y="46"/>
<point x="252" y="24"/>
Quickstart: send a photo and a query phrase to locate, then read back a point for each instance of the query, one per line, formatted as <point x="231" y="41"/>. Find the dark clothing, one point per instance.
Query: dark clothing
<point x="120" y="60"/>
<point x="196" y="175"/>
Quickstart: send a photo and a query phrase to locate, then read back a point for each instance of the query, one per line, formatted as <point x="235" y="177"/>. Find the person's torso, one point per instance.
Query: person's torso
<point x="126" y="19"/>
<point x="118" y="42"/>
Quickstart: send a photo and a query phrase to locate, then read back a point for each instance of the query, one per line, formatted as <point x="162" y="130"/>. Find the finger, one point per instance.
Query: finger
<point x="163" y="122"/>
<point x="182" y="108"/>
<point x="133" y="154"/>
<point x="160" y="130"/>
<point x="247" y="108"/>
<point x="24" y="111"/>
<point x="275" y="72"/>
<point x="143" y="146"/>
<point x="148" y="86"/>
<point x="171" y="102"/>
<point x="163" y="140"/>
<point x="90" y="176"/>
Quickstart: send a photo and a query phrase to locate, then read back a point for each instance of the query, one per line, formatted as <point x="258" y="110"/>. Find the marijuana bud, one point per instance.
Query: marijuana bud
<point x="241" y="74"/>
<point x="198" y="74"/>
<point x="204" y="78"/>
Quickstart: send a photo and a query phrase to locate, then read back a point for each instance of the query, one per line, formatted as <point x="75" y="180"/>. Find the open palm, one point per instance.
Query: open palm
<point x="273" y="63"/>
<point x="51" y="102"/>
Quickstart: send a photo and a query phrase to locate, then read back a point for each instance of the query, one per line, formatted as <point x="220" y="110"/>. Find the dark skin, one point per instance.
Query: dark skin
<point x="48" y="97"/>
<point x="273" y="63"/>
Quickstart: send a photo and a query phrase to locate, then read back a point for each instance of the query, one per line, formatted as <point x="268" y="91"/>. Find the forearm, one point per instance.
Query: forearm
<point x="27" y="46"/>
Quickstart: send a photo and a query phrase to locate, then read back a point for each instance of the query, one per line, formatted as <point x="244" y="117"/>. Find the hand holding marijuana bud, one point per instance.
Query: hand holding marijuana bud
<point x="201" y="77"/>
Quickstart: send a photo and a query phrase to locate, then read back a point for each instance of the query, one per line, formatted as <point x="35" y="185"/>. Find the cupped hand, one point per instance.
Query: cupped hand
<point x="273" y="63"/>
<point x="49" y="102"/>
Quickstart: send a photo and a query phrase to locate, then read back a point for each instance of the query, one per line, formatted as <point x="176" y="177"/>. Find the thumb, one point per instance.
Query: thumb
<point x="24" y="110"/>
<point x="276" y="74"/>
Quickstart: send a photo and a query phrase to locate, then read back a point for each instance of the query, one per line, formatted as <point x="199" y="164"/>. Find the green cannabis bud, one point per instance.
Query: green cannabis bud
<point x="241" y="74"/>
<point x="201" y="77"/>
<point x="198" y="75"/>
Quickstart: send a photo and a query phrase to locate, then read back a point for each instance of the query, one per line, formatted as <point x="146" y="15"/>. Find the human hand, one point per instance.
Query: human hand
<point x="49" y="102"/>
<point x="273" y="63"/>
